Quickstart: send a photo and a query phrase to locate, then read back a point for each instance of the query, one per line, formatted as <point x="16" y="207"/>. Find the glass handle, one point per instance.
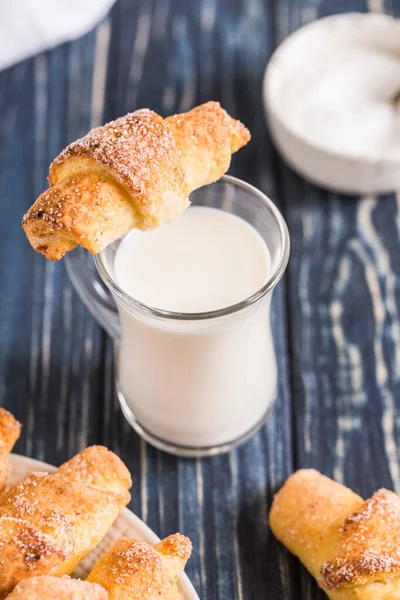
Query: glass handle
<point x="92" y="291"/>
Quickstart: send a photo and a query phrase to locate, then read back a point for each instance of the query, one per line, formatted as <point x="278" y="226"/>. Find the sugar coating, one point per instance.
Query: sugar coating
<point x="369" y="544"/>
<point x="133" y="147"/>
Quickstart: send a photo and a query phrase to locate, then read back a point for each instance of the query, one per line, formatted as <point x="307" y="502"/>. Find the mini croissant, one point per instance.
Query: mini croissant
<point x="135" y="172"/>
<point x="351" y="547"/>
<point x="57" y="588"/>
<point x="134" y="569"/>
<point x="10" y="431"/>
<point x="49" y="522"/>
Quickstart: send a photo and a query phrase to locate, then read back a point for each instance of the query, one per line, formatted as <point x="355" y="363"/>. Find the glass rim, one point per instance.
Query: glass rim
<point x="131" y="303"/>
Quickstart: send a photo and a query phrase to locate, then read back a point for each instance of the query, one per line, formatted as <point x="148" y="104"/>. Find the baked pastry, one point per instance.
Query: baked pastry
<point x="134" y="569"/>
<point x="351" y="547"/>
<point x="10" y="431"/>
<point x="57" y="588"/>
<point x="135" y="172"/>
<point x="49" y="522"/>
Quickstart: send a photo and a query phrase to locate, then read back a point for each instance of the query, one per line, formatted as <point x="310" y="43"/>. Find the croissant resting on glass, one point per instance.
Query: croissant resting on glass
<point x="135" y="172"/>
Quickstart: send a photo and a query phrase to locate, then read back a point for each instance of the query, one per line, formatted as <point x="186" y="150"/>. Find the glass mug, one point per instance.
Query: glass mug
<point x="192" y="384"/>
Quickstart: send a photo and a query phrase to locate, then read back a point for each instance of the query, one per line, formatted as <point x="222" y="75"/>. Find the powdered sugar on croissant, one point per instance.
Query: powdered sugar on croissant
<point x="348" y="545"/>
<point x="135" y="172"/>
<point x="132" y="569"/>
<point x="50" y="521"/>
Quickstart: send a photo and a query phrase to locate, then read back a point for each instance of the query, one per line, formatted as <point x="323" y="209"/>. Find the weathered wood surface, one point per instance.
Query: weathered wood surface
<point x="336" y="320"/>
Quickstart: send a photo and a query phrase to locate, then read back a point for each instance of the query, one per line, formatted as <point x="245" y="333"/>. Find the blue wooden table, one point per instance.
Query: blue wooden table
<point x="336" y="315"/>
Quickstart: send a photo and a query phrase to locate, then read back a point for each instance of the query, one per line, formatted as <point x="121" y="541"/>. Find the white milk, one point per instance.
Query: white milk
<point x="197" y="382"/>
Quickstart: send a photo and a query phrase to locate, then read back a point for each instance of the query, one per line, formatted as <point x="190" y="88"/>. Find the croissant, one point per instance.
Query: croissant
<point x="135" y="172"/>
<point x="57" y="588"/>
<point x="49" y="522"/>
<point x="134" y="569"/>
<point x="351" y="547"/>
<point x="10" y="431"/>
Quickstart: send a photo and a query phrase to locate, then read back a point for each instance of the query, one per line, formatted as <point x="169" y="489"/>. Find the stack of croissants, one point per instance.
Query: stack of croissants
<point x="49" y="522"/>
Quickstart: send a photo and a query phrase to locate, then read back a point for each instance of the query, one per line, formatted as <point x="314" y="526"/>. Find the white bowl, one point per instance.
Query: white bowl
<point x="327" y="92"/>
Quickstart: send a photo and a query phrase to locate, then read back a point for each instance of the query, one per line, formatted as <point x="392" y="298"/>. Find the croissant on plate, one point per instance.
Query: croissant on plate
<point x="47" y="587"/>
<point x="10" y="431"/>
<point x="349" y="545"/>
<point x="49" y="522"/>
<point x="135" y="172"/>
<point x="132" y="569"/>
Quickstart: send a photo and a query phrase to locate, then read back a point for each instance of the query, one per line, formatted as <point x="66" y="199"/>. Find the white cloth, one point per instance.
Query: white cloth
<point x="28" y="27"/>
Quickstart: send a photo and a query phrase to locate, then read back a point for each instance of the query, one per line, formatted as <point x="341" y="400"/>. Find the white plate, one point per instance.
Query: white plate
<point x="347" y="137"/>
<point x="126" y="525"/>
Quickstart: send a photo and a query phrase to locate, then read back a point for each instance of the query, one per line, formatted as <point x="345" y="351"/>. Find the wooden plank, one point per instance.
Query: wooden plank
<point x="50" y="346"/>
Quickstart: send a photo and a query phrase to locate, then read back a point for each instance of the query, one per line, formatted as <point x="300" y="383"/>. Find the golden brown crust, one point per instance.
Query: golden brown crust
<point x="3" y="469"/>
<point x="217" y="136"/>
<point x="175" y="550"/>
<point x="57" y="588"/>
<point x="307" y="514"/>
<point x="133" y="570"/>
<point x="10" y="430"/>
<point x="85" y="496"/>
<point x="26" y="549"/>
<point x="369" y="546"/>
<point x="81" y="209"/>
<point x="137" y="149"/>
<point x="348" y="545"/>
<point x="98" y="467"/>
<point x="137" y="171"/>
